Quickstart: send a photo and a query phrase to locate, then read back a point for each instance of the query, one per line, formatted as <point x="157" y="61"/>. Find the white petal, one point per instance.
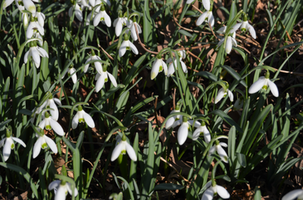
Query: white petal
<point x="107" y="19"/>
<point x="206" y="4"/>
<point x="221" y="42"/>
<point x="61" y="193"/>
<point x="256" y="86"/>
<point x="133" y="33"/>
<point x="30" y="31"/>
<point x="273" y="88"/>
<point x="211" y="19"/>
<point x="183" y="133"/>
<point x="164" y="67"/>
<point x="252" y="31"/>
<point x="89" y="120"/>
<point x="230" y="95"/>
<point x="75" y="121"/>
<point x="36" y="56"/>
<point x="69" y="189"/>
<point x="42" y="124"/>
<point x="184" y="68"/>
<point x="56" y="127"/>
<point x="189" y="1"/>
<point x="117" y="150"/>
<point x="97" y="19"/>
<point x="52" y="145"/>
<point x="2" y="142"/>
<point x="293" y="194"/>
<point x="19" y="141"/>
<point x="37" y="147"/>
<point x="222" y="153"/>
<point x="202" y="18"/>
<point x="169" y="122"/>
<point x="54" y="112"/>
<point x="72" y="71"/>
<point x="155" y="68"/>
<point x="223" y="144"/>
<point x="42" y="52"/>
<point x="57" y="101"/>
<point x="70" y="11"/>
<point x="7" y="148"/>
<point x="54" y="185"/>
<point x="196" y="133"/>
<point x="228" y="47"/>
<point x="235" y="27"/>
<point x="233" y="41"/>
<point x="212" y="150"/>
<point x="118" y="28"/>
<point x="222" y="192"/>
<point x="7" y="3"/>
<point x="208" y="194"/>
<point x="100" y="82"/>
<point x="131" y="152"/>
<point x="171" y="69"/>
<point x="26" y="56"/>
<point x="222" y="29"/>
<point x="206" y="133"/>
<point x="133" y="48"/>
<point x="112" y="79"/>
<point x="30" y="6"/>
<point x="220" y="95"/>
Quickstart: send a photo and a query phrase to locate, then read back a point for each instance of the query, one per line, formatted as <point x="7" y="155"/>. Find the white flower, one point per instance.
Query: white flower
<point x="62" y="189"/>
<point x="35" y="52"/>
<point x="102" y="78"/>
<point x="49" y="123"/>
<point x="82" y="117"/>
<point x="222" y="93"/>
<point x="172" y="122"/>
<point x="78" y="12"/>
<point x="202" y="129"/>
<point x="246" y="26"/>
<point x="231" y="38"/>
<point x="122" y="146"/>
<point x="158" y="66"/>
<point x="127" y="45"/>
<point x="263" y="83"/>
<point x="22" y="4"/>
<point x="206" y="4"/>
<point x="72" y="72"/>
<point x="102" y="16"/>
<point x="221" y="152"/>
<point x="206" y="16"/>
<point x="42" y="143"/>
<point x="97" y="65"/>
<point x="51" y="102"/>
<point x="214" y="190"/>
<point x="292" y="195"/>
<point x="131" y="25"/>
<point x="40" y="16"/>
<point x="8" y="143"/>
<point x="173" y="63"/>
<point x="33" y="28"/>
<point x="119" y="23"/>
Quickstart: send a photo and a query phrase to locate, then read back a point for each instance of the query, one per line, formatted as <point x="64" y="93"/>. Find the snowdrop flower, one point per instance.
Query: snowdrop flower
<point x="102" y="16"/>
<point x="208" y="17"/>
<point x="214" y="190"/>
<point x="222" y="93"/>
<point x="78" y="11"/>
<point x="127" y="45"/>
<point x="103" y="77"/>
<point x="26" y="19"/>
<point x="8" y="143"/>
<point x="119" y="23"/>
<point x="40" y="16"/>
<point x="221" y="152"/>
<point x="173" y="63"/>
<point x="33" y="28"/>
<point x="263" y="83"/>
<point x="176" y="120"/>
<point x="202" y="129"/>
<point x="42" y="143"/>
<point x="246" y="26"/>
<point x="51" y="102"/>
<point x="49" y="123"/>
<point x="131" y="25"/>
<point x="231" y="38"/>
<point x="122" y="146"/>
<point x="158" y="66"/>
<point x="98" y="65"/>
<point x="22" y="4"/>
<point x="61" y="188"/>
<point x="292" y="195"/>
<point x="72" y="72"/>
<point x="82" y="117"/>
<point x="35" y="53"/>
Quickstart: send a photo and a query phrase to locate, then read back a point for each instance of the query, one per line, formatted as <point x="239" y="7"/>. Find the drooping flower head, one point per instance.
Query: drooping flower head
<point x="119" y="23"/>
<point x="176" y="120"/>
<point x="43" y="142"/>
<point x="103" y="17"/>
<point x="35" y="52"/>
<point x="82" y="117"/>
<point x="222" y="93"/>
<point x="103" y="78"/>
<point x="202" y="130"/>
<point x="172" y="63"/>
<point x="245" y="26"/>
<point x="127" y="45"/>
<point x="33" y="28"/>
<point x="231" y="38"/>
<point x="294" y="194"/>
<point x="218" y="147"/>
<point x="123" y="147"/>
<point x="263" y="83"/>
<point x="158" y="66"/>
<point x="49" y="123"/>
<point x="213" y="190"/>
<point x="132" y="25"/>
<point x="207" y="16"/>
<point x="78" y="10"/>
<point x="8" y="143"/>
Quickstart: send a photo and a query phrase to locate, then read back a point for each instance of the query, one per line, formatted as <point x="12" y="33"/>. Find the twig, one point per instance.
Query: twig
<point x="143" y="45"/>
<point x="173" y="168"/>
<point x="198" y="9"/>
<point x="106" y="52"/>
<point x="187" y="29"/>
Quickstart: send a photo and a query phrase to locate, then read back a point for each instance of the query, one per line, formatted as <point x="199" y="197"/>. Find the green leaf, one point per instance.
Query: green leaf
<point x="183" y="32"/>
<point x="168" y="186"/>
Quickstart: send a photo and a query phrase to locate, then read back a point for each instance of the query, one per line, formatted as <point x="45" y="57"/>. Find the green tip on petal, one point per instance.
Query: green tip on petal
<point x="153" y="75"/>
<point x="44" y="146"/>
<point x="13" y="146"/>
